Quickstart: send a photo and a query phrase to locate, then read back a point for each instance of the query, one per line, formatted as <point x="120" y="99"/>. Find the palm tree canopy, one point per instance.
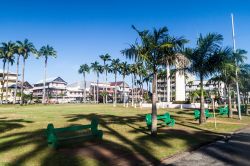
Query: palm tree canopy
<point x="124" y="68"/>
<point x="7" y="51"/>
<point x="239" y="56"/>
<point x="155" y="47"/>
<point x="84" y="68"/>
<point x="105" y="57"/>
<point x="96" y="67"/>
<point x="115" y="65"/>
<point x="47" y="51"/>
<point x="25" y="48"/>
<point x="208" y="56"/>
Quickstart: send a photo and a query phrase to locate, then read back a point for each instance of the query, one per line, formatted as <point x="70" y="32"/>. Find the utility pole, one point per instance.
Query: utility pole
<point x="236" y="74"/>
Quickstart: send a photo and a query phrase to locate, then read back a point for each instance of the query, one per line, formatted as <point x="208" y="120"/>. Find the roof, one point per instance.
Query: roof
<point x="119" y="83"/>
<point x="52" y="79"/>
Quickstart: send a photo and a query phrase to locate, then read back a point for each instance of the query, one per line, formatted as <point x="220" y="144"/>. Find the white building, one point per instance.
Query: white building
<point x="55" y="89"/>
<point x="75" y="92"/>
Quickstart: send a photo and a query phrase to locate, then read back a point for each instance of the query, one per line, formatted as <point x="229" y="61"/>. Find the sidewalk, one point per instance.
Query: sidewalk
<point x="232" y="151"/>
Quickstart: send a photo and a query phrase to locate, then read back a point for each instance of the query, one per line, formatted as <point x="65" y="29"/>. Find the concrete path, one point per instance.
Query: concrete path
<point x="233" y="151"/>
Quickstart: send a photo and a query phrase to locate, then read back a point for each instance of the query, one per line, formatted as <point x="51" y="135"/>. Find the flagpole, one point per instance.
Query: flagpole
<point x="236" y="74"/>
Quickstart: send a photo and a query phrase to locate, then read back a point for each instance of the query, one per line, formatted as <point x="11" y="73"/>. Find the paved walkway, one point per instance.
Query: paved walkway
<point x="233" y="151"/>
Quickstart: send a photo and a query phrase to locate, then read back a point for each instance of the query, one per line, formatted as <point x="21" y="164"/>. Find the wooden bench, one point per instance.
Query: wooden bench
<point x="165" y="118"/>
<point x="54" y="137"/>
<point x="197" y="114"/>
<point x="223" y="110"/>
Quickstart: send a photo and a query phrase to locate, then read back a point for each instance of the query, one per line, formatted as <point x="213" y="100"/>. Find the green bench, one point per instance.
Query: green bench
<point x="56" y="136"/>
<point x="165" y="118"/>
<point x="223" y="110"/>
<point x="197" y="114"/>
<point x="243" y="108"/>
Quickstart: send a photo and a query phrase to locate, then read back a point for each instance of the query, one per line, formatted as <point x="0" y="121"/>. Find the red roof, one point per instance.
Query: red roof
<point x="117" y="83"/>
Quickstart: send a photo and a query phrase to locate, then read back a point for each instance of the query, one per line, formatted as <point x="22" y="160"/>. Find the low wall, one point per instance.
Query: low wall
<point x="171" y="105"/>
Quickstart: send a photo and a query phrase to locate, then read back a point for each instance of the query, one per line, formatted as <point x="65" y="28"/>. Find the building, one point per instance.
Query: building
<point x="55" y="89"/>
<point x="195" y="85"/>
<point x="75" y="92"/>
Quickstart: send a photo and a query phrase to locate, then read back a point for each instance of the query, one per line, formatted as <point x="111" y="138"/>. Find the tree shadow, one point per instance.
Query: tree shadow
<point x="10" y="124"/>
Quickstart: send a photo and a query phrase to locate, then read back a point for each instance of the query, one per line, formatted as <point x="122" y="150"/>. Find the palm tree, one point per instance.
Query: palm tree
<point x="205" y="59"/>
<point x="46" y="52"/>
<point x="83" y="70"/>
<point x="133" y="71"/>
<point x="244" y="79"/>
<point x="171" y="56"/>
<point x="97" y="68"/>
<point x="8" y="53"/>
<point x="239" y="57"/>
<point x="115" y="67"/>
<point x="226" y="74"/>
<point x="18" y="52"/>
<point x="124" y="68"/>
<point x="4" y="59"/>
<point x="105" y="58"/>
<point x="150" y="51"/>
<point x="27" y="48"/>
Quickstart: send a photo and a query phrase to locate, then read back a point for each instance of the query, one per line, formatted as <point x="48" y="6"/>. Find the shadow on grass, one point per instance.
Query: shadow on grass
<point x="140" y="150"/>
<point x="10" y="124"/>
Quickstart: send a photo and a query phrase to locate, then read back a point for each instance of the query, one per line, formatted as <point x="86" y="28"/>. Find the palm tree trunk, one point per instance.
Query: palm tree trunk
<point x="21" y="102"/>
<point x="97" y="89"/>
<point x="123" y="78"/>
<point x="115" y="101"/>
<point x="44" y="81"/>
<point x="202" y="108"/>
<point x="3" y="81"/>
<point x="132" y="90"/>
<point x="168" y="82"/>
<point x="154" y="108"/>
<point x="84" y="90"/>
<point x="7" y="84"/>
<point x="106" y="96"/>
<point x="94" y="93"/>
<point x="230" y="114"/>
<point x="136" y="91"/>
<point x="17" y="72"/>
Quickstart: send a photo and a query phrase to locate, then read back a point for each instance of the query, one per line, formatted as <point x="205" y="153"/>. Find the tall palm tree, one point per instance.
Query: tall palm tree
<point x="4" y="59"/>
<point x="115" y="68"/>
<point x="8" y="51"/>
<point x="46" y="52"/>
<point x="133" y="71"/>
<point x="19" y="51"/>
<point x="27" y="48"/>
<point x="105" y="58"/>
<point x="171" y="57"/>
<point x="151" y="51"/>
<point x="97" y="68"/>
<point x="124" y="68"/>
<point x="239" y="56"/>
<point x="226" y="74"/>
<point x="205" y="59"/>
<point x="84" y="68"/>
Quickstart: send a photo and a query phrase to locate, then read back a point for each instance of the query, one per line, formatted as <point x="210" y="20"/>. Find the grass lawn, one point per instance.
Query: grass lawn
<point x="126" y="141"/>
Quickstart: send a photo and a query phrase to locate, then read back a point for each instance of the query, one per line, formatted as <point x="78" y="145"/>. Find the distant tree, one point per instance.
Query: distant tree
<point x="115" y="68"/>
<point x="27" y="48"/>
<point x="8" y="50"/>
<point x="124" y="68"/>
<point x="46" y="52"/>
<point x="84" y="68"/>
<point x="205" y="59"/>
<point x="105" y="58"/>
<point x="97" y="68"/>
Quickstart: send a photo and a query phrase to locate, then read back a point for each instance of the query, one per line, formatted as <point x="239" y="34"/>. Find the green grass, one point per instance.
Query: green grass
<point x="126" y="138"/>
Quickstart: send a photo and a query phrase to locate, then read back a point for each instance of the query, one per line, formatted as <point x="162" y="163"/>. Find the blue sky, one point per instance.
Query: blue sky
<point x="80" y="31"/>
